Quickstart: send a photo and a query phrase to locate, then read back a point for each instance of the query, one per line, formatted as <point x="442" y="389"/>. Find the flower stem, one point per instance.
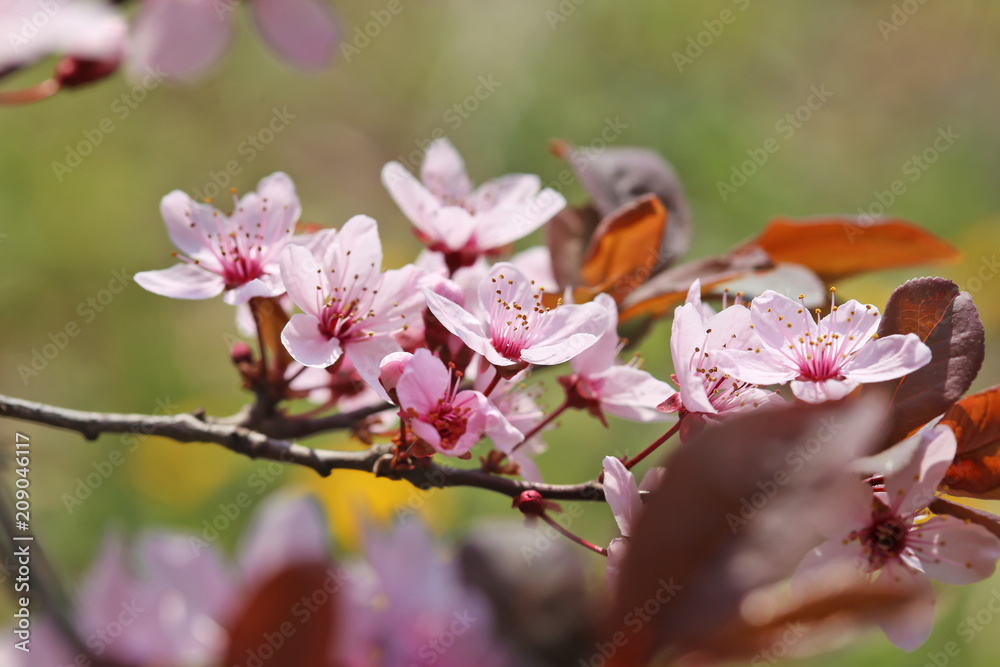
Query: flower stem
<point x="542" y="424"/>
<point x="35" y="93"/>
<point x="493" y="383"/>
<point x="579" y="540"/>
<point x="652" y="448"/>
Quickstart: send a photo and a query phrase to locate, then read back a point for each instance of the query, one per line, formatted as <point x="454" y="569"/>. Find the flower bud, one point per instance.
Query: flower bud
<point x="531" y="503"/>
<point x="241" y="353"/>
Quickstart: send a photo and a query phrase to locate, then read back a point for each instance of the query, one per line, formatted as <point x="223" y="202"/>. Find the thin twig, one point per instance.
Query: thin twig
<point x="187" y="427"/>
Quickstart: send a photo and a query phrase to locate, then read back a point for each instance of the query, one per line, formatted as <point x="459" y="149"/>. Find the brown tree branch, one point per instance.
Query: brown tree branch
<point x="231" y="434"/>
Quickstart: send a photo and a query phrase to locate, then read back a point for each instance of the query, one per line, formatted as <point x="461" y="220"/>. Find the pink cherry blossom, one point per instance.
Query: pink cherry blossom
<point x="514" y="327"/>
<point x="696" y="342"/>
<point x="186" y="37"/>
<point x="888" y="530"/>
<point x="450" y="421"/>
<point x="79" y="28"/>
<point x="411" y="602"/>
<point x="622" y="496"/>
<point x="237" y="253"/>
<point x="461" y="222"/>
<point x="623" y="390"/>
<point x="170" y="597"/>
<point x="177" y="595"/>
<point x="350" y="306"/>
<point x="825" y="359"/>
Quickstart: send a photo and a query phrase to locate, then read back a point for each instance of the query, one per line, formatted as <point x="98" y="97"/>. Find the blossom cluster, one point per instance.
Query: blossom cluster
<point x="453" y="340"/>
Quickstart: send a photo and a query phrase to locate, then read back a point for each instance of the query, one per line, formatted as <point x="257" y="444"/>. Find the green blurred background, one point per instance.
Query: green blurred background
<point x="560" y="70"/>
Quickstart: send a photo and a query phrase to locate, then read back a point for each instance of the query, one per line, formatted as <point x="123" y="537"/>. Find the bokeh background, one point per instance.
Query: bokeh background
<point x="559" y="69"/>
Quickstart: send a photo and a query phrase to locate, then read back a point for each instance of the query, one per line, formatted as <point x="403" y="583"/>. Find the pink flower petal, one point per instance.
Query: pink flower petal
<point x="188" y="224"/>
<point x="424" y="383"/>
<point x="302" y="32"/>
<point x="503" y="434"/>
<point x="910" y="629"/>
<point x="286" y="530"/>
<point x="824" y="390"/>
<point x="601" y="356"/>
<point x="280" y="204"/>
<point x="367" y="354"/>
<point x="955" y="552"/>
<point x="443" y="172"/>
<point x="771" y="314"/>
<point x="687" y="334"/>
<point x="181" y="281"/>
<point x="505" y="192"/>
<point x="634" y="394"/>
<point x="452" y="226"/>
<point x="413" y="199"/>
<point x="914" y="468"/>
<point x="759" y="366"/>
<point x="622" y="494"/>
<point x="303" y="340"/>
<point x="570" y="330"/>
<point x="358" y="250"/>
<point x="181" y="38"/>
<point x="428" y="434"/>
<point x="265" y="286"/>
<point x="500" y="228"/>
<point x="460" y="322"/>
<point x="301" y="274"/>
<point x="616" y="558"/>
<point x="391" y="369"/>
<point x="888" y="358"/>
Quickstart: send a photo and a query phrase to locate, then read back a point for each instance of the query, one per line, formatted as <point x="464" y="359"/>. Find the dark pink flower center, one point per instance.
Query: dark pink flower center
<point x="824" y="346"/>
<point x="240" y="245"/>
<point x="883" y="540"/>
<point x="514" y="327"/>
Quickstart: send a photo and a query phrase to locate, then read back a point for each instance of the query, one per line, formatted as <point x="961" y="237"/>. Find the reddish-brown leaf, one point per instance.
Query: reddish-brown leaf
<point x="626" y="244"/>
<point x="947" y="321"/>
<point x="291" y="618"/>
<point x="567" y="235"/>
<point x="976" y="422"/>
<point x="837" y="247"/>
<point x="666" y="290"/>
<point x="618" y="176"/>
<point x="707" y="535"/>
